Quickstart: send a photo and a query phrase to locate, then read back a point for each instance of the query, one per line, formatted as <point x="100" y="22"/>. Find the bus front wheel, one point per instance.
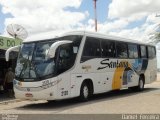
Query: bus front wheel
<point x="84" y="92"/>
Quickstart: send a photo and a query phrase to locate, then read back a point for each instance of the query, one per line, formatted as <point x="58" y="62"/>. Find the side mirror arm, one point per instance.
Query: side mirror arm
<point x="15" y="48"/>
<point x="54" y="46"/>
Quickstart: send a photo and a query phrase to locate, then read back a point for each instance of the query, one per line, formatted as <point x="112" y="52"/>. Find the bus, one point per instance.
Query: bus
<point x="80" y="64"/>
<point x="158" y="61"/>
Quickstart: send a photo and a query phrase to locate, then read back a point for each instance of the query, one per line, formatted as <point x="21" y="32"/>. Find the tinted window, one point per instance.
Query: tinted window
<point x="154" y="51"/>
<point x="151" y="52"/>
<point x="121" y="50"/>
<point x="66" y="58"/>
<point x="67" y="53"/>
<point x="108" y="48"/>
<point x="132" y="51"/>
<point x="143" y="52"/>
<point x="92" y="47"/>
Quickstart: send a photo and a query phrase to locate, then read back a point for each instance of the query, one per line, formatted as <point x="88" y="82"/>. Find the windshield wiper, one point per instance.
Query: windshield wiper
<point x="35" y="70"/>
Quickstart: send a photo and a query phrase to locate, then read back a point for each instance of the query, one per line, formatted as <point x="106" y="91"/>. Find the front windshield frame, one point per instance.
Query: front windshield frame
<point x="38" y="75"/>
<point x="44" y="65"/>
<point x="24" y="60"/>
<point x="27" y="66"/>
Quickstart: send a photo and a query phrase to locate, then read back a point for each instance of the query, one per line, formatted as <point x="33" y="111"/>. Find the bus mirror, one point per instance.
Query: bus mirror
<point x="54" y="46"/>
<point x="15" y="48"/>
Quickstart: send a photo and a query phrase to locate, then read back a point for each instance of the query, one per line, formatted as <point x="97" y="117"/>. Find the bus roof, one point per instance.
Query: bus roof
<point x="93" y="34"/>
<point x="104" y="36"/>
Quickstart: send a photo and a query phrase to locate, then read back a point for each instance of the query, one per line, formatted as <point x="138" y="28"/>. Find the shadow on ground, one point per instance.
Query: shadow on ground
<point x="4" y="96"/>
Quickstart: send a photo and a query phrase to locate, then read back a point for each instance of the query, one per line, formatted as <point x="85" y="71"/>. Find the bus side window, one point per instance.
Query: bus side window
<point x="122" y="50"/>
<point x="151" y="52"/>
<point x="108" y="48"/>
<point x="133" y="51"/>
<point x="143" y="51"/>
<point x="66" y="58"/>
<point x="91" y="49"/>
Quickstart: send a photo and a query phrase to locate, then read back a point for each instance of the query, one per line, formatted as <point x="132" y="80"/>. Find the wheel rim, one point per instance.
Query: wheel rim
<point x="141" y="84"/>
<point x="85" y="92"/>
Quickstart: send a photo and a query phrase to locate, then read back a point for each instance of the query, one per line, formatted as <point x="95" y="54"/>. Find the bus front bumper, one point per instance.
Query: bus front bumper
<point x="38" y="95"/>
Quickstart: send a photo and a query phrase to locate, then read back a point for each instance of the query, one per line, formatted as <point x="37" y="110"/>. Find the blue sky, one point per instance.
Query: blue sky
<point x="2" y="19"/>
<point x="127" y="18"/>
<point x="102" y="8"/>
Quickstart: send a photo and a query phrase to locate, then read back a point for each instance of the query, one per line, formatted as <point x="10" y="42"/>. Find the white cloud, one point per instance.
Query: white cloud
<point x="46" y="35"/>
<point x="152" y="18"/>
<point x="43" y="15"/>
<point x="123" y="13"/>
<point x="134" y="33"/>
<point x="115" y="25"/>
<point x="130" y="11"/>
<point x="91" y="22"/>
<point x="140" y="33"/>
<point x="39" y="16"/>
<point x="126" y="8"/>
<point x="108" y="25"/>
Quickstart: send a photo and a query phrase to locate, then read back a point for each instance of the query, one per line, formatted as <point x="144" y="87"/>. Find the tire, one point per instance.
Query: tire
<point x="84" y="92"/>
<point x="140" y="86"/>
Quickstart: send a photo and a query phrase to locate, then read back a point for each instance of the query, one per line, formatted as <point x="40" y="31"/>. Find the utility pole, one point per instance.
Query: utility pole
<point x="95" y="13"/>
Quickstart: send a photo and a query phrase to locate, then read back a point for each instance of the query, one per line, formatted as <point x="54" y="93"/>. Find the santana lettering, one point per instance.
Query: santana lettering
<point x="111" y="64"/>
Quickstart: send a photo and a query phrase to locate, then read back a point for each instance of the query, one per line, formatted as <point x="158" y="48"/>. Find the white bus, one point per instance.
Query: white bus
<point x="81" y="64"/>
<point x="158" y="56"/>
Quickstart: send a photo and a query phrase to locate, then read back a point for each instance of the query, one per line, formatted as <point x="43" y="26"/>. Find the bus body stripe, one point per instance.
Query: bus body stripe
<point x="118" y="76"/>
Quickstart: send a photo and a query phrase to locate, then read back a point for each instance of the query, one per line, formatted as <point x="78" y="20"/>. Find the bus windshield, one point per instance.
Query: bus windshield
<point x="34" y="64"/>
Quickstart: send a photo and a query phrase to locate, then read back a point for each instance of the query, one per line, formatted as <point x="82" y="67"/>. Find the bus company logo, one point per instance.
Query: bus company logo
<point x="113" y="64"/>
<point x="19" y="83"/>
<point x="28" y="89"/>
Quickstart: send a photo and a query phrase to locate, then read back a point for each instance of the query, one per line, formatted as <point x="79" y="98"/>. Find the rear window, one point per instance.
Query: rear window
<point x="151" y="52"/>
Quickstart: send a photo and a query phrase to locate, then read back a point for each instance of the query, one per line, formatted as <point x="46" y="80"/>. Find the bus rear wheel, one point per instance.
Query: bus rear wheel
<point x="140" y="86"/>
<point x="84" y="92"/>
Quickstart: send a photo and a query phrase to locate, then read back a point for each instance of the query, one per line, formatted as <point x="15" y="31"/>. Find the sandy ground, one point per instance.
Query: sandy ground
<point x="158" y="76"/>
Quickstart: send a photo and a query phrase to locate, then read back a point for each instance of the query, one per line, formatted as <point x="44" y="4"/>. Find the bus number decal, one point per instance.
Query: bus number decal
<point x="64" y="93"/>
<point x="46" y="82"/>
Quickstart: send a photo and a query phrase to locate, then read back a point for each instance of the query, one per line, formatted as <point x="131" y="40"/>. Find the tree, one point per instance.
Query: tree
<point x="155" y="36"/>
